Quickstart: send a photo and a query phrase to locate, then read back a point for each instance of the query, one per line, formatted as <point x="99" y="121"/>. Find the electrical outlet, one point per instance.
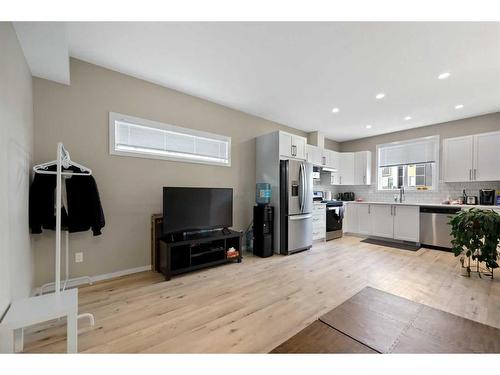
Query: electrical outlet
<point x="78" y="257"/>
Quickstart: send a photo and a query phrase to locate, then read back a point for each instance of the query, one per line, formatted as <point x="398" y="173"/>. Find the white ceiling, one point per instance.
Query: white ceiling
<point x="295" y="73"/>
<point x="45" y="46"/>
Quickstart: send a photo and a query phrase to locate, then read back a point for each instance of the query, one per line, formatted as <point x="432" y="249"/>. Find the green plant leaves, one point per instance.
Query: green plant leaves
<point x="476" y="233"/>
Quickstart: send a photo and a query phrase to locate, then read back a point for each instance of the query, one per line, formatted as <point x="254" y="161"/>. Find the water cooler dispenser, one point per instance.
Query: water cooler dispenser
<point x="263" y="216"/>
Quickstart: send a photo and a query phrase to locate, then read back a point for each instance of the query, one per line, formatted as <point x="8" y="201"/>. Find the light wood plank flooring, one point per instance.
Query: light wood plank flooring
<point x="254" y="306"/>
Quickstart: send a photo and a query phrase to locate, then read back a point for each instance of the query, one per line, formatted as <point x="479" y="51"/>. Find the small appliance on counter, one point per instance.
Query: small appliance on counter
<point x="471" y="200"/>
<point x="327" y="195"/>
<point x="317" y="196"/>
<point x="487" y="197"/>
<point x="347" y="197"/>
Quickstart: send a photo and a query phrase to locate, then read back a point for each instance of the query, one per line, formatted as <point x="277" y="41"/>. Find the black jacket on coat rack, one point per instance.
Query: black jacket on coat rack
<point x="84" y="205"/>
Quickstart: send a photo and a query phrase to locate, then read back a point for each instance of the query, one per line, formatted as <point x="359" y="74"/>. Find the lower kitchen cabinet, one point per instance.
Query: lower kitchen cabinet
<point x="394" y="221"/>
<point x="319" y="221"/>
<point x="381" y="220"/>
<point x="406" y="223"/>
<point x="350" y="220"/>
<point x="364" y="220"/>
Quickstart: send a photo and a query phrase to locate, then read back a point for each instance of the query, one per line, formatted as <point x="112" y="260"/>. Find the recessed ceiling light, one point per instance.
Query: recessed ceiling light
<point x="368" y="126"/>
<point x="408" y="118"/>
<point x="459" y="106"/>
<point x="380" y="95"/>
<point x="335" y="110"/>
<point x="444" y="75"/>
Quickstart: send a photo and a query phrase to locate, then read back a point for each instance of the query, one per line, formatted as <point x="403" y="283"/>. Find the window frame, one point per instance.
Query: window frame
<point x="435" y="171"/>
<point x="114" y="117"/>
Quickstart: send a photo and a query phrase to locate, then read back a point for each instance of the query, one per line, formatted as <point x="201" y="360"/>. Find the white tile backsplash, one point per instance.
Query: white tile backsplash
<point x="445" y="191"/>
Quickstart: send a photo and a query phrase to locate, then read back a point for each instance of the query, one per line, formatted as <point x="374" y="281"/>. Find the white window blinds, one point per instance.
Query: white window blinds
<point x="136" y="137"/>
<point x="417" y="151"/>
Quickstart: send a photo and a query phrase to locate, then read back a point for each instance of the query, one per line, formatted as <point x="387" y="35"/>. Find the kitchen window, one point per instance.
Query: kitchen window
<point x="410" y="164"/>
<point x="132" y="136"/>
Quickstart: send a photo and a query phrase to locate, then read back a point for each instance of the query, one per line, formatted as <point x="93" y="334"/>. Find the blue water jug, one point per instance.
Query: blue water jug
<point x="262" y="193"/>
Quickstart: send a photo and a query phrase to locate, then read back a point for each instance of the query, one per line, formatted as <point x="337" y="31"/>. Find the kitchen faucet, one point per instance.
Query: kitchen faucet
<point x="401" y="194"/>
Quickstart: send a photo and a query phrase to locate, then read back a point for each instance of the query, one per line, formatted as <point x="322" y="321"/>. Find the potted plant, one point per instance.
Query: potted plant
<point x="476" y="235"/>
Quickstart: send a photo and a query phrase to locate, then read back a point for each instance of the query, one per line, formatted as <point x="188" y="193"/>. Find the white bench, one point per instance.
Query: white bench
<point x="34" y="310"/>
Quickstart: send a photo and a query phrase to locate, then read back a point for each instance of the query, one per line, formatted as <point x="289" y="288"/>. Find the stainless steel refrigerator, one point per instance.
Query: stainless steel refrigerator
<point x="296" y="204"/>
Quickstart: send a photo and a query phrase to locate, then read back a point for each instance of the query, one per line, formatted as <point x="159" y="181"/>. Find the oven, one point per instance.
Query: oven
<point x="334" y="217"/>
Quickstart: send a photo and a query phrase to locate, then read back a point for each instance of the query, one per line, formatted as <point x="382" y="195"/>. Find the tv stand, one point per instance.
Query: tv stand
<point x="181" y="254"/>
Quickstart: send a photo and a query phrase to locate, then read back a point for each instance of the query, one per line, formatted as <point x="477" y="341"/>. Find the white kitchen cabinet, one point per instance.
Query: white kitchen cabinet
<point x="332" y="159"/>
<point x="319" y="221"/>
<point x="406" y="222"/>
<point x="352" y="168"/>
<point x="349" y="168"/>
<point x="363" y="215"/>
<point x="300" y="147"/>
<point x="362" y="168"/>
<point x="381" y="220"/>
<point x="346" y="168"/>
<point x="472" y="158"/>
<point x="457" y="159"/>
<point x="393" y="221"/>
<point x="350" y="221"/>
<point x="314" y="155"/>
<point x="334" y="178"/>
<point x="324" y="157"/>
<point x="292" y="146"/>
<point x="487" y="157"/>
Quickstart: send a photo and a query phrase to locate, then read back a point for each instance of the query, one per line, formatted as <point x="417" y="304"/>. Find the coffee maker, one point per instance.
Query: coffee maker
<point x="487" y="197"/>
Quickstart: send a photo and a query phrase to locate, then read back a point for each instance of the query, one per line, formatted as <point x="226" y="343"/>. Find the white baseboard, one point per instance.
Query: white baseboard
<point x="106" y="276"/>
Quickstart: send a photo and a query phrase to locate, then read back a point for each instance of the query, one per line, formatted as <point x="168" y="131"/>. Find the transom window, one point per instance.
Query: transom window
<point x="132" y="136"/>
<point x="409" y="164"/>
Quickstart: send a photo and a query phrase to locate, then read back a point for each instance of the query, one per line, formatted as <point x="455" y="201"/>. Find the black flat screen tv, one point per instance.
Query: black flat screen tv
<point x="187" y="209"/>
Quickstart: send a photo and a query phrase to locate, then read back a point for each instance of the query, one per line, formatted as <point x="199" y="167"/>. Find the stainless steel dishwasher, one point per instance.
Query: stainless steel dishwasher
<point x="434" y="228"/>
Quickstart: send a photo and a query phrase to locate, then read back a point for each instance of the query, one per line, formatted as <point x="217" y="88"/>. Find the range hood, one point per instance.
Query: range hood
<point x="326" y="169"/>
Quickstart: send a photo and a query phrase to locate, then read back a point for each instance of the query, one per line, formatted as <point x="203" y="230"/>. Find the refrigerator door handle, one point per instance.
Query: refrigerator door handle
<point x="301" y="188"/>
<point x="304" y="190"/>
<point x="300" y="217"/>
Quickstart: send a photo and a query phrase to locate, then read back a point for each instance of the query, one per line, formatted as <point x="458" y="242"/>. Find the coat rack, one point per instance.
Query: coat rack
<point x="63" y="160"/>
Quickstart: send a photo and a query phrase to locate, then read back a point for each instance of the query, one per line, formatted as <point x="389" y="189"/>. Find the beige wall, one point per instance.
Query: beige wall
<point x="16" y="147"/>
<point x="332" y="145"/>
<point x="473" y="125"/>
<point x="131" y="188"/>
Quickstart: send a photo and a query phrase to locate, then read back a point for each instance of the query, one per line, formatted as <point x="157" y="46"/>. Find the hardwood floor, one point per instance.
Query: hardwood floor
<point x="254" y="306"/>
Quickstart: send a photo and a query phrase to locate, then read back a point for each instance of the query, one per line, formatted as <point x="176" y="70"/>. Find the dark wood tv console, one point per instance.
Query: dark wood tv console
<point x="196" y="251"/>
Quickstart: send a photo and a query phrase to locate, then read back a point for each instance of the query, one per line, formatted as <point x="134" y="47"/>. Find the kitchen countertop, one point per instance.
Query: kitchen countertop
<point x="428" y="204"/>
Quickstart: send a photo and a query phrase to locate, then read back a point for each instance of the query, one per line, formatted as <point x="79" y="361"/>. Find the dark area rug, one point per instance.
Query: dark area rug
<point x="395" y="245"/>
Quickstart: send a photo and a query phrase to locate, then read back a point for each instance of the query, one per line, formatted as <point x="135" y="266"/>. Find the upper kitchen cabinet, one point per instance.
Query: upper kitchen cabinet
<point x="354" y="168"/>
<point x="457" y="159"/>
<point x="322" y="158"/>
<point x="292" y="146"/>
<point x="332" y="159"/>
<point x="362" y="168"/>
<point x="472" y="158"/>
<point x="487" y="157"/>
<point x="346" y="170"/>
<point x="314" y="155"/>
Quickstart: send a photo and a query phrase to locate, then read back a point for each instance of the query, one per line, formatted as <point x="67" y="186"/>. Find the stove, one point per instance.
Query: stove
<point x="334" y="217"/>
